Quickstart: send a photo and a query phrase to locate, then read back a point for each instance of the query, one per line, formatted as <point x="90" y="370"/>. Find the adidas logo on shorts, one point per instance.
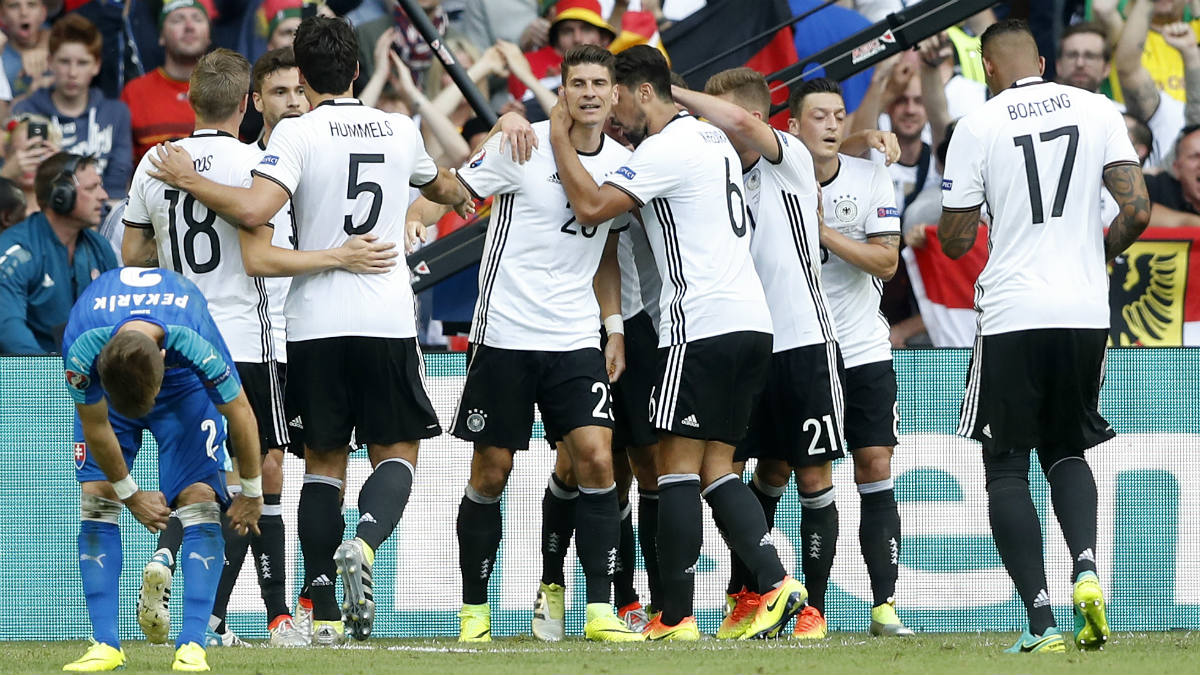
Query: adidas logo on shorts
<point x="690" y="421"/>
<point x="296" y="423"/>
<point x="987" y="430"/>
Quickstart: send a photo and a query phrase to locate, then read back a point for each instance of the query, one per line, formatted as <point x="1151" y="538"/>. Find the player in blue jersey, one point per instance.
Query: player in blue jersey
<point x="142" y="352"/>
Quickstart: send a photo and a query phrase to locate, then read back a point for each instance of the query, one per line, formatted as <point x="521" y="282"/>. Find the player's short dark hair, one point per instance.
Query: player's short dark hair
<point x="678" y="81"/>
<point x="1087" y="28"/>
<point x="131" y="371"/>
<point x="817" y="85"/>
<point x="50" y="169"/>
<point x="1140" y="134"/>
<point x="581" y="54"/>
<point x="644" y="64"/>
<point x="218" y="84"/>
<point x="326" y="53"/>
<point x="1005" y="27"/>
<point x="746" y="85"/>
<point x="943" y="148"/>
<point x="76" y="28"/>
<point x="267" y="64"/>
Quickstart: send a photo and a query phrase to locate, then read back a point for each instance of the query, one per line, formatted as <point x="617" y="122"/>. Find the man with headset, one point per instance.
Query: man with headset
<point x="48" y="259"/>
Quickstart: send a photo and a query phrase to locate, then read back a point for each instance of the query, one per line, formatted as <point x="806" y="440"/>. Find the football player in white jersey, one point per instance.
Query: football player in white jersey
<point x="204" y="247"/>
<point x="544" y="283"/>
<point x="1038" y="153"/>
<point x="685" y="182"/>
<point x="861" y="239"/>
<point x="353" y="358"/>
<point x="804" y="383"/>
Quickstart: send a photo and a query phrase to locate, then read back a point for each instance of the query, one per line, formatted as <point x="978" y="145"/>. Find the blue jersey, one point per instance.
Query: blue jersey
<point x="195" y="351"/>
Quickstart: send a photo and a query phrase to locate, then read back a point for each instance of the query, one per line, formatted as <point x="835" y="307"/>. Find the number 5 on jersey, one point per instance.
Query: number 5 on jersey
<point x="355" y="187"/>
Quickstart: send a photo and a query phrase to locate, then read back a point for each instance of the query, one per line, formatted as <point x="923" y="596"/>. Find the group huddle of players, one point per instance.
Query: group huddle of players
<point x="736" y="273"/>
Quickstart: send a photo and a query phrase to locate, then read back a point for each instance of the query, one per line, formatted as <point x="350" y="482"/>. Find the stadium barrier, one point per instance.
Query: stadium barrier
<point x="950" y="579"/>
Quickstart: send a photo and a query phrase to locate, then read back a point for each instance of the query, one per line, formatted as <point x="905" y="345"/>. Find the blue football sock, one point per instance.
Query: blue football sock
<point x="100" y="569"/>
<point x="202" y="558"/>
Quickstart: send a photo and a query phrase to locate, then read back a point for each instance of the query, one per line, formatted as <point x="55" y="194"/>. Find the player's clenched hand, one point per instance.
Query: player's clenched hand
<point x="172" y="164"/>
<point x="516" y="134"/>
<point x="243" y="514"/>
<point x="150" y="508"/>
<point x="367" y="255"/>
<point x="414" y="232"/>
<point x="614" y="356"/>
<point x="886" y="143"/>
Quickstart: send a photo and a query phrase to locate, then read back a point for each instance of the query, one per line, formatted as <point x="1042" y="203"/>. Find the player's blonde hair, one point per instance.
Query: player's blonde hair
<point x="131" y="371"/>
<point x="747" y="86"/>
<point x="219" y="84"/>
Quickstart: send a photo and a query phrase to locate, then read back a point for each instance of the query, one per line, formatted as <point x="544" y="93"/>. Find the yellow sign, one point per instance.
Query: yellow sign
<point x="1147" y="287"/>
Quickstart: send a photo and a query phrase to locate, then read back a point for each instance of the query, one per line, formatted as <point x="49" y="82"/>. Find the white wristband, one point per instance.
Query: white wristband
<point x="252" y="487"/>
<point x="125" y="487"/>
<point x="614" y="324"/>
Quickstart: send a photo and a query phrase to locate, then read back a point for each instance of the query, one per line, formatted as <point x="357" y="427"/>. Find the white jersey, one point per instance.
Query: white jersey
<point x="785" y="243"/>
<point x="859" y="202"/>
<point x="203" y="247"/>
<point x="1036" y="154"/>
<point x="347" y="169"/>
<point x="687" y="181"/>
<point x="283" y="235"/>
<point x="535" y="278"/>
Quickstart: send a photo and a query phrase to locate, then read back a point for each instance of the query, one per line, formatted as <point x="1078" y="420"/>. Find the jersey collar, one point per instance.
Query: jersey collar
<point x="678" y="116"/>
<point x="340" y="101"/>
<point x="596" y="151"/>
<point x="1027" y="81"/>
<point x="201" y="133"/>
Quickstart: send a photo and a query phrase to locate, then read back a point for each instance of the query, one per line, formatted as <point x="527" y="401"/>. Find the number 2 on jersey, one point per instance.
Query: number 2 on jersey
<point x="354" y="188"/>
<point x="1031" y="171"/>
<point x="195" y="228"/>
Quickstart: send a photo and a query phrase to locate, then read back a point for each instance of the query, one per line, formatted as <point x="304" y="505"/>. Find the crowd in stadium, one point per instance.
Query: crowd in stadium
<point x="93" y="90"/>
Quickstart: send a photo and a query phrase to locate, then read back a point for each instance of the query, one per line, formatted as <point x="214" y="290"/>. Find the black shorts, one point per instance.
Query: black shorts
<point x="1036" y="389"/>
<point x="706" y="389"/>
<point x="569" y="388"/>
<point x="872" y="413"/>
<point x="263" y="384"/>
<point x="631" y="393"/>
<point x="798" y="415"/>
<point x="370" y="387"/>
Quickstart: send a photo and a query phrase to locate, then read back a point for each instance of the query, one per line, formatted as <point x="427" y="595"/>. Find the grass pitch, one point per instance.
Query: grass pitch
<point x="1177" y="652"/>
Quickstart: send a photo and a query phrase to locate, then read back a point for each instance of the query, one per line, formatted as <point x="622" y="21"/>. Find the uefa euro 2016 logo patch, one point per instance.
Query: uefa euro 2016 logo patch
<point x="77" y="380"/>
<point x="478" y="160"/>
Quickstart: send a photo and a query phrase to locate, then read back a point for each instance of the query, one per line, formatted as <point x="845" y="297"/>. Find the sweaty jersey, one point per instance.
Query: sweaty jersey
<point x="687" y="182"/>
<point x="194" y="346"/>
<point x="860" y="203"/>
<point x="1036" y="153"/>
<point x="203" y="247"/>
<point x="785" y="243"/>
<point x="347" y="169"/>
<point x="535" y="278"/>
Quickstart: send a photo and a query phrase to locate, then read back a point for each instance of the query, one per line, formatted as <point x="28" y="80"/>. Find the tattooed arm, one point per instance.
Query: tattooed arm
<point x="138" y="246"/>
<point x="1127" y="186"/>
<point x="878" y="255"/>
<point x="957" y="230"/>
<point x="1141" y="94"/>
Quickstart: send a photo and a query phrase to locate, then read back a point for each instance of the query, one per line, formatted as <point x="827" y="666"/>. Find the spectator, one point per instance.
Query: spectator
<point x="486" y="21"/>
<point x="158" y="103"/>
<point x="12" y="204"/>
<point x="89" y="122"/>
<point x="26" y="54"/>
<point x="1143" y="99"/>
<point x="573" y="22"/>
<point x="31" y="140"/>
<point x="1176" y="199"/>
<point x="1141" y="136"/>
<point x="407" y="41"/>
<point x="131" y="45"/>
<point x="1152" y="50"/>
<point x="50" y="257"/>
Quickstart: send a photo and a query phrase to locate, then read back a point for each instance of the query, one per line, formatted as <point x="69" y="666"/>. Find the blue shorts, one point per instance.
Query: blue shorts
<point x="191" y="442"/>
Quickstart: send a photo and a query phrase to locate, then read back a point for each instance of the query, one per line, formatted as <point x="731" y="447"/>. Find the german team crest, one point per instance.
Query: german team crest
<point x="1146" y="290"/>
<point x="80" y="455"/>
